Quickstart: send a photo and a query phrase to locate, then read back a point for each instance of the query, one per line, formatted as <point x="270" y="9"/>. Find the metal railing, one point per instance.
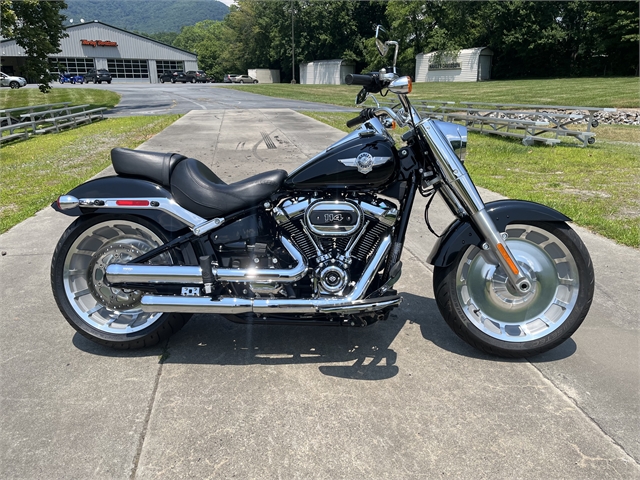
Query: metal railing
<point x="531" y="123"/>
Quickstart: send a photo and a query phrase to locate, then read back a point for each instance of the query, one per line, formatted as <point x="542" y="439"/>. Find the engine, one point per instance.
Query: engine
<point x="337" y="237"/>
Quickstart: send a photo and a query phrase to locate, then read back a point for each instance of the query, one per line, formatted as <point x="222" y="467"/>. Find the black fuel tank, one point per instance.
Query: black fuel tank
<point x="356" y="163"/>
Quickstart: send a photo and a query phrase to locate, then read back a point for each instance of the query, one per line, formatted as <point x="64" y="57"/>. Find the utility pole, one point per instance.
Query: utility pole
<point x="293" y="49"/>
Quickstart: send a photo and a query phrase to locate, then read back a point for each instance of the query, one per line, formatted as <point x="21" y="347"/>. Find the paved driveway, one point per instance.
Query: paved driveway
<point x="160" y="99"/>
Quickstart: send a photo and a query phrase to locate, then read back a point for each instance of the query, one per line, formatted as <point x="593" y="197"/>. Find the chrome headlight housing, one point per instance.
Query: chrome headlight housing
<point x="456" y="135"/>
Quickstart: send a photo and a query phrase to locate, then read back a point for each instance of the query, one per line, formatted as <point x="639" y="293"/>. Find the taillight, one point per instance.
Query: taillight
<point x="132" y="203"/>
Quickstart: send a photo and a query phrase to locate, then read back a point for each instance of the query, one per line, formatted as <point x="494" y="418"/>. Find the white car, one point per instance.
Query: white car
<point x="13" y="82"/>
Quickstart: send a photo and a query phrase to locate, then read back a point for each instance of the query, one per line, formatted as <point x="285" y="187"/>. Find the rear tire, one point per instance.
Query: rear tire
<point x="107" y="315"/>
<point x="479" y="305"/>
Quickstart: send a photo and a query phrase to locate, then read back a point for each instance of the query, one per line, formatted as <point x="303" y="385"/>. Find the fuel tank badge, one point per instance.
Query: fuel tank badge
<point x="364" y="162"/>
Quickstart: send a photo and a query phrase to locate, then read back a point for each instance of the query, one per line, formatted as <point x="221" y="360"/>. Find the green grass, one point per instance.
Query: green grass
<point x="597" y="186"/>
<point x="81" y="95"/>
<point x="621" y="92"/>
<point x="34" y="172"/>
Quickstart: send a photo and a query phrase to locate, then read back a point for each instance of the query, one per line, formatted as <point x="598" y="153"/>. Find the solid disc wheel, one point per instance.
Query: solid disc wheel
<point x="106" y="314"/>
<point x="480" y="305"/>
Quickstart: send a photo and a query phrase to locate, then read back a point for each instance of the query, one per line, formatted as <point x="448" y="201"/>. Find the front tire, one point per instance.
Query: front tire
<point x="479" y="305"/>
<point x="108" y="315"/>
<point x="16" y="85"/>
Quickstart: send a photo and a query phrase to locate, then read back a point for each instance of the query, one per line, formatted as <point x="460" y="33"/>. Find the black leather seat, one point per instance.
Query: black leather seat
<point x="200" y="191"/>
<point x="153" y="166"/>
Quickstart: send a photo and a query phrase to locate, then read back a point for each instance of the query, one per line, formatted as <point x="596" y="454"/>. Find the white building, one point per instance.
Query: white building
<point x="327" y="72"/>
<point x="265" y="75"/>
<point x="128" y="57"/>
<point x="470" y="65"/>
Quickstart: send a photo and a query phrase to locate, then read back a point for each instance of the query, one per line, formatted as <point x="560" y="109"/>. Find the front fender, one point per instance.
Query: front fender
<point x="120" y="187"/>
<point x="462" y="233"/>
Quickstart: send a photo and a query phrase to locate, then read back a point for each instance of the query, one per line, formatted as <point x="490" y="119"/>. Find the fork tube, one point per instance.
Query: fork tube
<point x="457" y="179"/>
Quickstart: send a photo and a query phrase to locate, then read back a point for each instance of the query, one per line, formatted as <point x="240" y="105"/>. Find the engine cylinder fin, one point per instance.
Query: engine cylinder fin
<point x="370" y="241"/>
<point x="299" y="238"/>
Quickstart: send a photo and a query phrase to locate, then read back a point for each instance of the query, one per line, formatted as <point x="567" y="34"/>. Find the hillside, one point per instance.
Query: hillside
<point x="148" y="16"/>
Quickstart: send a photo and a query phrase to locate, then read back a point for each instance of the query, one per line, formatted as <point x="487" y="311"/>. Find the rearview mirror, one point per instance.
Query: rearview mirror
<point x="383" y="42"/>
<point x="362" y="96"/>
<point x="381" y="39"/>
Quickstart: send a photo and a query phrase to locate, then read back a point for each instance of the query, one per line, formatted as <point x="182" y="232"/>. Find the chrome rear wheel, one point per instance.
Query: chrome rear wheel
<point x="102" y="312"/>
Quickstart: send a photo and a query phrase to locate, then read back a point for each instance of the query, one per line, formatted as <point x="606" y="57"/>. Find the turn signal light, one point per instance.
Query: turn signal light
<point x="410" y="85"/>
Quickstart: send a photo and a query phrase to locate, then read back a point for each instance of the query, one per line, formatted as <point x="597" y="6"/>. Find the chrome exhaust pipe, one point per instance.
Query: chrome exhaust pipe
<point x="189" y="275"/>
<point x="351" y="304"/>
<point x="237" y="306"/>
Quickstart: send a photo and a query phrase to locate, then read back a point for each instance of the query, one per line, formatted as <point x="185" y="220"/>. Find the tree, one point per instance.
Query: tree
<point x="208" y="39"/>
<point x="37" y="27"/>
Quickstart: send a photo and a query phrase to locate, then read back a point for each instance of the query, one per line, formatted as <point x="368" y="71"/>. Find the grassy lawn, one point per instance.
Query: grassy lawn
<point x="586" y="92"/>
<point x="35" y="171"/>
<point x="598" y="186"/>
<point x="81" y="95"/>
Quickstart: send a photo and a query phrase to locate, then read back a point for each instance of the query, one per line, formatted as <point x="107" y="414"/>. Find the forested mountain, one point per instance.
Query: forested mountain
<point x="148" y="16"/>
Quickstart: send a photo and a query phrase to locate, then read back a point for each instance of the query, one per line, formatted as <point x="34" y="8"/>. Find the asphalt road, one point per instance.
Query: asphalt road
<point x="160" y="99"/>
<point x="401" y="399"/>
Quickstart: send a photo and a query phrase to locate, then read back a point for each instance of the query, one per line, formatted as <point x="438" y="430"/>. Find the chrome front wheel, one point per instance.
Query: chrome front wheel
<point x="481" y="306"/>
<point x="99" y="311"/>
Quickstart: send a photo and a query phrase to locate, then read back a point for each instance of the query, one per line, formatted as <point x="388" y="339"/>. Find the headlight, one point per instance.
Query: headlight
<point x="456" y="135"/>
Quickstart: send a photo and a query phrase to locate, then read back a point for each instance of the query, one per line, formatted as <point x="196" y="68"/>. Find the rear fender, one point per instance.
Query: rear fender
<point x="167" y="213"/>
<point x="460" y="234"/>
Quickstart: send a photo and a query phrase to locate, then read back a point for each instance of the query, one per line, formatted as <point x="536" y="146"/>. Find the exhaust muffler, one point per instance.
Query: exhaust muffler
<point x="352" y="304"/>
<point x="189" y="275"/>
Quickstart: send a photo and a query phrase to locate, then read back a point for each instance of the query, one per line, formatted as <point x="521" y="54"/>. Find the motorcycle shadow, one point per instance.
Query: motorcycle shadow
<point x="342" y="352"/>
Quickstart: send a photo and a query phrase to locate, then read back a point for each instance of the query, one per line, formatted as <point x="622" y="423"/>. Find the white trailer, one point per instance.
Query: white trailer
<point x="327" y="72"/>
<point x="469" y="65"/>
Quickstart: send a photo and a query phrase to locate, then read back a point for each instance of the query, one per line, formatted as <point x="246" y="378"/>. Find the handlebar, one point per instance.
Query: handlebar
<point x="355" y="121"/>
<point x="366" y="114"/>
<point x="362" y="80"/>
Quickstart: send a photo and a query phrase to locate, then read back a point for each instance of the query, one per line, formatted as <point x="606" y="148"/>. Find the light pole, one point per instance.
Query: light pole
<point x="293" y="49"/>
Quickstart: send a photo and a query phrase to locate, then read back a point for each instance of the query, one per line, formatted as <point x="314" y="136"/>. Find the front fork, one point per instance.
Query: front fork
<point x="462" y="194"/>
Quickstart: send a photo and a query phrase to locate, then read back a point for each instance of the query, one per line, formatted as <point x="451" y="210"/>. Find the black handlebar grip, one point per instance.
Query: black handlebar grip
<point x="355" y="121"/>
<point x="355" y="79"/>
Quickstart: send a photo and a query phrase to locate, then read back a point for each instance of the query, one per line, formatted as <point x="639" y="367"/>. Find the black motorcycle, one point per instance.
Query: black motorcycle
<point x="166" y="238"/>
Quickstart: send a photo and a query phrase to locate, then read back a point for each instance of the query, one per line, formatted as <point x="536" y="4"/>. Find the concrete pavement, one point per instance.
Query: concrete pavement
<point x="402" y="399"/>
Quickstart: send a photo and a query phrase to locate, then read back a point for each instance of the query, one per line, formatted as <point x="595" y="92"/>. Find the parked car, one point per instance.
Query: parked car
<point x="11" y="81"/>
<point x="244" y="79"/>
<point x="66" y="77"/>
<point x="173" y="76"/>
<point x="199" y="76"/>
<point x="97" y="76"/>
<point x="228" y="78"/>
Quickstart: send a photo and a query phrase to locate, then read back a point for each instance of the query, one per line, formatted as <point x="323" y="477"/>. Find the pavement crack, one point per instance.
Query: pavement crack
<point x="597" y="425"/>
<point x="147" y="417"/>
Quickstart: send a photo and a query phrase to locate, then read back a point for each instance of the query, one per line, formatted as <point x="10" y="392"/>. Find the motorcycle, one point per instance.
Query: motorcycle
<point x="166" y="238"/>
